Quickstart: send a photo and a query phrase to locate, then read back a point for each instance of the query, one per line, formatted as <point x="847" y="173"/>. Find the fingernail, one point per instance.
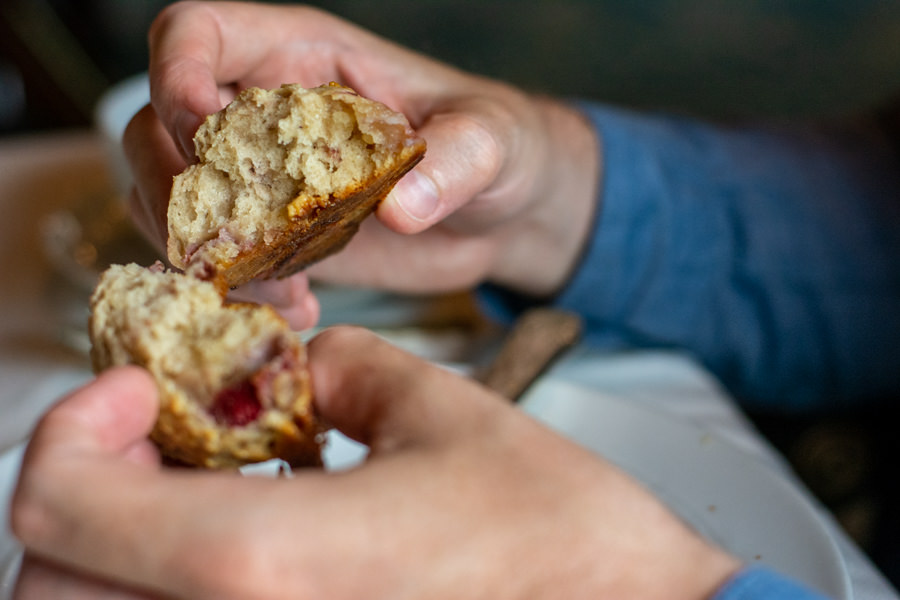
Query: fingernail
<point x="417" y="196"/>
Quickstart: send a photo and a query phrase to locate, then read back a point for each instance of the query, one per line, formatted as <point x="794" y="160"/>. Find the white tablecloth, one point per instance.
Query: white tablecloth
<point x="39" y="361"/>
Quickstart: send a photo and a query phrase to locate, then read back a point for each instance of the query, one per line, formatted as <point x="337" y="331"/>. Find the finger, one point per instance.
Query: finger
<point x="154" y="160"/>
<point x="387" y="398"/>
<point x="106" y="422"/>
<point x="112" y="414"/>
<point x="196" y="47"/>
<point x="168" y="532"/>
<point x="145" y="224"/>
<point x="142" y="452"/>
<point x="178" y="534"/>
<point x="183" y="87"/>
<point x="435" y="261"/>
<point x="304" y="314"/>
<point x="109" y="417"/>
<point x="40" y="580"/>
<point x="464" y="159"/>
<point x="291" y="297"/>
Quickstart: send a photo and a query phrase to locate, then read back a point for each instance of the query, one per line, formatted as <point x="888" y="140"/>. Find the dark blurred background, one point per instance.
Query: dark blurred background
<point x="737" y="58"/>
<point x="717" y="58"/>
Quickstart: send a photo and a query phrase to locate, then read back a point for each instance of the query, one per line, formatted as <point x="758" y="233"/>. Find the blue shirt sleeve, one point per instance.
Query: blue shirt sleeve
<point x="770" y="253"/>
<point x="759" y="583"/>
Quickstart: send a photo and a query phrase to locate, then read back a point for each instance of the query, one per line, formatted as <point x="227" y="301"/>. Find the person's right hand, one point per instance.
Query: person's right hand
<point x="505" y="192"/>
<point x="462" y="496"/>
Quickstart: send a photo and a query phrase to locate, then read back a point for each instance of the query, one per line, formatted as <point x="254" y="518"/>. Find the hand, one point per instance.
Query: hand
<point x="462" y="496"/>
<point x="504" y="194"/>
<point x="107" y="403"/>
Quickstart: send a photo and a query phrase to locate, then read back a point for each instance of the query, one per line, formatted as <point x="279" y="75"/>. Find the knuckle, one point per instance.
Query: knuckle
<point x="32" y="516"/>
<point x="171" y="14"/>
<point x="480" y="146"/>
<point x="29" y="519"/>
<point x="484" y="144"/>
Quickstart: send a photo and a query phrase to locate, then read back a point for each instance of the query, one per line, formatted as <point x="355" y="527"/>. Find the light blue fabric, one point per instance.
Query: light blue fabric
<point x="772" y="254"/>
<point x="759" y="583"/>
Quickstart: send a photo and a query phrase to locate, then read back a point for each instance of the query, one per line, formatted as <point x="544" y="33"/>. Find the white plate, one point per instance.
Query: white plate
<point x="734" y="499"/>
<point x="9" y="550"/>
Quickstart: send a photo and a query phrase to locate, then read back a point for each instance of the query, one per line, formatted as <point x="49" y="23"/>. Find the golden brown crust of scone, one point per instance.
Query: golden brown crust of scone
<point x="311" y="235"/>
<point x="190" y="438"/>
<point x="338" y="176"/>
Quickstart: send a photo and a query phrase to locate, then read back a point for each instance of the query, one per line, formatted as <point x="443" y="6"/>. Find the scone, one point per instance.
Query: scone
<point x="284" y="178"/>
<point x="232" y="378"/>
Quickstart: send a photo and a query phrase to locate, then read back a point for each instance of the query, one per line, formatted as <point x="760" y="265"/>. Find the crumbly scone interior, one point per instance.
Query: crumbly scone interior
<point x="168" y="327"/>
<point x="267" y="149"/>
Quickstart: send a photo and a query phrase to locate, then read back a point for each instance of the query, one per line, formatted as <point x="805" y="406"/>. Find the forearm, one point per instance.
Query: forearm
<point x="772" y="255"/>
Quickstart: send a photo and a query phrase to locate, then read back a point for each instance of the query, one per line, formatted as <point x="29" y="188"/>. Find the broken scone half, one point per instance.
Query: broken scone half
<point x="284" y="178"/>
<point x="232" y="378"/>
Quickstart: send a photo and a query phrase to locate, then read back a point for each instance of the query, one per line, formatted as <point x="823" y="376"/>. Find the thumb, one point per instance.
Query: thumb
<point x="111" y="415"/>
<point x="463" y="159"/>
<point x="386" y="398"/>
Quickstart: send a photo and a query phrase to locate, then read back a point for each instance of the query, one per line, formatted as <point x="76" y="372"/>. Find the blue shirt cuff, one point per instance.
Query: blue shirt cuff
<point x="760" y="583"/>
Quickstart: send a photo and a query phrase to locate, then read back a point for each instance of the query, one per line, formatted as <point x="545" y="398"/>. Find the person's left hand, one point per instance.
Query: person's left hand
<point x="505" y="194"/>
<point x="462" y="496"/>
